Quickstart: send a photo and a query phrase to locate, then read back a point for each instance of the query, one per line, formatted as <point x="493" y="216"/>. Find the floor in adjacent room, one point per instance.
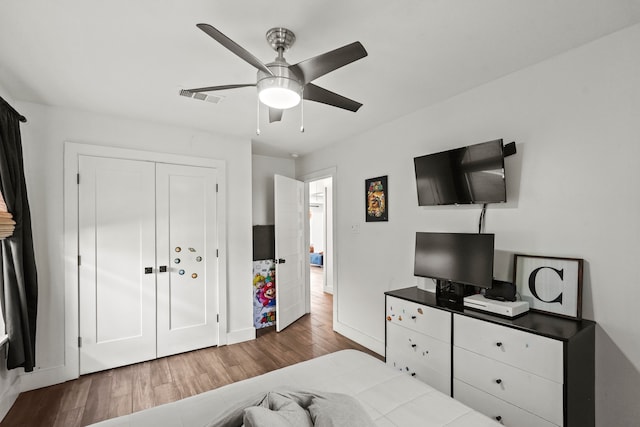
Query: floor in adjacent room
<point x="107" y="394"/>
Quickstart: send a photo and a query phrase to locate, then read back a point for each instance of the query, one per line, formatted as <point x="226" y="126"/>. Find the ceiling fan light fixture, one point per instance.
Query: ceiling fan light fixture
<point x="279" y="92"/>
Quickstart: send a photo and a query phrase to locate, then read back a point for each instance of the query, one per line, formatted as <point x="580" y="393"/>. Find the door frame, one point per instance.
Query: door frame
<point x="72" y="151"/>
<point x="307" y="178"/>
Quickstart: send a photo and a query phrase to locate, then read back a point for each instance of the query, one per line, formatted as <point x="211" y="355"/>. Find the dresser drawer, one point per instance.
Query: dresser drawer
<point x="420" y="371"/>
<point x="425" y="349"/>
<point x="530" y="392"/>
<point x="426" y="320"/>
<point x="508" y="414"/>
<point x="423" y="357"/>
<point x="533" y="353"/>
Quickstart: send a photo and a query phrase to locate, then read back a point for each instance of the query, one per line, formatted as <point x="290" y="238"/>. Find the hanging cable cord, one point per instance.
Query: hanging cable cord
<point x="483" y="215"/>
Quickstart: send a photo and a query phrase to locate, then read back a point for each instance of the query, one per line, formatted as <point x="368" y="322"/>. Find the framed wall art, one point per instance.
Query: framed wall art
<point x="377" y="199"/>
<point x="549" y="284"/>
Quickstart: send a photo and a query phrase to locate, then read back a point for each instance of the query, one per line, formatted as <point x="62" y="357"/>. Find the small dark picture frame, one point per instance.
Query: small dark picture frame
<point x="549" y="284"/>
<point x="376" y="193"/>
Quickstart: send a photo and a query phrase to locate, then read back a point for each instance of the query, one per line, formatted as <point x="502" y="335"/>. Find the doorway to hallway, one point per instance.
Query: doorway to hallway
<point x="320" y="198"/>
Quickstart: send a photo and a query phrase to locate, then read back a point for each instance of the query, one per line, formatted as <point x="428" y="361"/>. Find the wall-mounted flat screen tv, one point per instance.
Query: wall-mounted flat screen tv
<point x="465" y="175"/>
<point x="461" y="258"/>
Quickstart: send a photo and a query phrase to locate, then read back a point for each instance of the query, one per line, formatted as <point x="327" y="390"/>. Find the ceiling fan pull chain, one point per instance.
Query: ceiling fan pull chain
<point x="258" y="117"/>
<point x="302" y="112"/>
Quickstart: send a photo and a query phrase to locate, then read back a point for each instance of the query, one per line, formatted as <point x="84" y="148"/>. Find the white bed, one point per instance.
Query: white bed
<point x="391" y="397"/>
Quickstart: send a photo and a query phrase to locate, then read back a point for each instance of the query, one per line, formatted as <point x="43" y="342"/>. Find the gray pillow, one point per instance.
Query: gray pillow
<point x="257" y="416"/>
<point x="277" y="410"/>
<point x="338" y="410"/>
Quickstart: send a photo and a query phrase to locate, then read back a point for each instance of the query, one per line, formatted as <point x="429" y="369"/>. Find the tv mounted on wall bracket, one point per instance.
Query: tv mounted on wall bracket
<point x="465" y="175"/>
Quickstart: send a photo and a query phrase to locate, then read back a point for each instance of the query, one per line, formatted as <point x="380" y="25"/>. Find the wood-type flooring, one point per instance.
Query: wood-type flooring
<point x="108" y="394"/>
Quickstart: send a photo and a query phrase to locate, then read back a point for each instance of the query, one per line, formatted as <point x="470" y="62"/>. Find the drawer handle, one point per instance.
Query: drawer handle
<point x="499" y="344"/>
<point x="499" y="419"/>
<point x="413" y="374"/>
<point x="498" y="381"/>
<point x="414" y="317"/>
<point x="414" y="345"/>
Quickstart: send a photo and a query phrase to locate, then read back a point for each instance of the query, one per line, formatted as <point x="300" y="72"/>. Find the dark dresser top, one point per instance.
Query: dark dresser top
<point x="534" y="322"/>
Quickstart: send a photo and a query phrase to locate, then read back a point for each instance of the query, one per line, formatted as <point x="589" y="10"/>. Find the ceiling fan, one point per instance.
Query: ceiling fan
<point x="281" y="85"/>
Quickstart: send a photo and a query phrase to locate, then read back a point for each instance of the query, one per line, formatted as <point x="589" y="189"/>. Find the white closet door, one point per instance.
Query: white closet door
<point x="116" y="243"/>
<point x="186" y="245"/>
<point x="291" y="253"/>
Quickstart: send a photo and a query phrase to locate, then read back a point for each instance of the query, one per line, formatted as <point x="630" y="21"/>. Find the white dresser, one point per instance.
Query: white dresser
<point x="532" y="371"/>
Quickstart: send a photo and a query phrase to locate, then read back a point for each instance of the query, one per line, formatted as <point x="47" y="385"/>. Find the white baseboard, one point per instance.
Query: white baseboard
<point x="9" y="396"/>
<point x="44" y="378"/>
<point x="357" y="336"/>
<point x="242" y="335"/>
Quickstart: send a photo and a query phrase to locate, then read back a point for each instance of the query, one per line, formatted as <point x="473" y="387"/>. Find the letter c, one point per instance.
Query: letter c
<point x="532" y="284"/>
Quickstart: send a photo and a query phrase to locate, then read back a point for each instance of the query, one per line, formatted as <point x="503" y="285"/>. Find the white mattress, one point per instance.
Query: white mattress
<point x="391" y="397"/>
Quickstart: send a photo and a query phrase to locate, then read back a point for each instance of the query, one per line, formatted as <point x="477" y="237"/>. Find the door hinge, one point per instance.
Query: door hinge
<point x="216" y="188"/>
<point x="217" y="254"/>
<point x="217" y="318"/>
<point x="79" y="260"/>
<point x="78" y="178"/>
<point x="79" y="342"/>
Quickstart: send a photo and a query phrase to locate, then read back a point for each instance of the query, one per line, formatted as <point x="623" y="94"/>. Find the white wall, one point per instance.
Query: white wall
<point x="9" y="384"/>
<point x="316" y="227"/>
<point x="317" y="208"/>
<point x="43" y="137"/>
<point x="571" y="190"/>
<point x="263" y="170"/>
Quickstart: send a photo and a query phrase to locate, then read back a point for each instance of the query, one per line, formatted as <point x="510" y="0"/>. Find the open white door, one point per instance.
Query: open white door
<point x="290" y="250"/>
<point x="116" y="201"/>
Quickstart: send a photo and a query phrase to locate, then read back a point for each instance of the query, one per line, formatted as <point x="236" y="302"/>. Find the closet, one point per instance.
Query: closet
<point x="148" y="260"/>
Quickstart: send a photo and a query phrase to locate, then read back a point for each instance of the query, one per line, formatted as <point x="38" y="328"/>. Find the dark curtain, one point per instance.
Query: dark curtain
<point x="18" y="277"/>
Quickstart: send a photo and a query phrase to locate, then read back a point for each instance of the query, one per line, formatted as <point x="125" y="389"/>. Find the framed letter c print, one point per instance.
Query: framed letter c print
<point x="549" y="284"/>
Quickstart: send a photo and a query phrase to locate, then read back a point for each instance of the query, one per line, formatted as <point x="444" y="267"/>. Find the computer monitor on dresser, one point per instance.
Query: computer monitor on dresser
<point x="457" y="261"/>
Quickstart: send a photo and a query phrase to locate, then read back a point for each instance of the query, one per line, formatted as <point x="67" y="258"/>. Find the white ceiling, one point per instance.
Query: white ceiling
<point x="129" y="57"/>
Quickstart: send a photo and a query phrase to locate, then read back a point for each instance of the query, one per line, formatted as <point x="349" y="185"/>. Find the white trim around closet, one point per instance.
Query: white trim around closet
<point x="72" y="151"/>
